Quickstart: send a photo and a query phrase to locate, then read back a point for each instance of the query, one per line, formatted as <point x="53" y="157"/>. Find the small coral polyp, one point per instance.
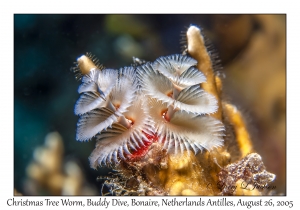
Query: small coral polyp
<point x="127" y="110"/>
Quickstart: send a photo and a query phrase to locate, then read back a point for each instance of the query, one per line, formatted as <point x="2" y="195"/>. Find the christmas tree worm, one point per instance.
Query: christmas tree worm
<point x="163" y="126"/>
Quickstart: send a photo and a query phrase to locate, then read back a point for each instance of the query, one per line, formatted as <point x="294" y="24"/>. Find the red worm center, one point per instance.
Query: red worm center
<point x="141" y="151"/>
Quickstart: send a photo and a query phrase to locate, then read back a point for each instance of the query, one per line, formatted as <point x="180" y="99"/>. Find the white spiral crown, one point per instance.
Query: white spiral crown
<point x="124" y="108"/>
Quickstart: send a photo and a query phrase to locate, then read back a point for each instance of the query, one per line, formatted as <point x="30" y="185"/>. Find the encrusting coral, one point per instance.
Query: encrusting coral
<point x="163" y="126"/>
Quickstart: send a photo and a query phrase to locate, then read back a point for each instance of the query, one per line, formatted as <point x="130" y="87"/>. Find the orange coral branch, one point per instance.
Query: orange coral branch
<point x="242" y="135"/>
<point x="197" y="49"/>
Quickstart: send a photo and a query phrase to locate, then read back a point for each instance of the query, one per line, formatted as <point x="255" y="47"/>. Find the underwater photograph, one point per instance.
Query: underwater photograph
<point x="150" y="104"/>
